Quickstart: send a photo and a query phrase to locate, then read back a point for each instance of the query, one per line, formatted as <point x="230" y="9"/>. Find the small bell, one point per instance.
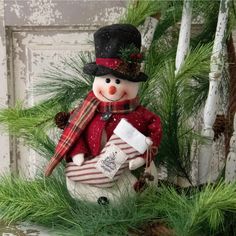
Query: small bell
<point x="106" y="116"/>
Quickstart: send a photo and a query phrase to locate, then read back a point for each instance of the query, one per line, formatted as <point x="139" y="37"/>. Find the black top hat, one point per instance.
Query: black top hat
<point x="109" y="43"/>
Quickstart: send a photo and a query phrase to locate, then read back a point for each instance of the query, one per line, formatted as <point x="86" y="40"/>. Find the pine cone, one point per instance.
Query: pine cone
<point x="158" y="228"/>
<point x="61" y="119"/>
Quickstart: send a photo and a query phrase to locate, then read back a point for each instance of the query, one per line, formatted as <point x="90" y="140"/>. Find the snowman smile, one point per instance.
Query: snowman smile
<point x="113" y="100"/>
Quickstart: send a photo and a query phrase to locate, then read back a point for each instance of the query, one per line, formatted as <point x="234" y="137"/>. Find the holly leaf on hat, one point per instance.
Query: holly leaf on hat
<point x="131" y="54"/>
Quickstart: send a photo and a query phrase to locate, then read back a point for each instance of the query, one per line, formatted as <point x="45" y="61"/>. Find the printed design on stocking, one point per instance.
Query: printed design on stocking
<point x="111" y="161"/>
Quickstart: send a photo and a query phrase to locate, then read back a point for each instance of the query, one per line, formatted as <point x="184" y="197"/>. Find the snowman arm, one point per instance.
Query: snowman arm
<point x="80" y="146"/>
<point x="154" y="129"/>
<point x="136" y="163"/>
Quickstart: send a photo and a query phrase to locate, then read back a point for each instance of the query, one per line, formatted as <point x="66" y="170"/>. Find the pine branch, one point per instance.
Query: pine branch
<point x="65" y="83"/>
<point x="31" y="126"/>
<point x="138" y="11"/>
<point x="19" y="118"/>
<point x="196" y="62"/>
<point x="38" y="201"/>
<point x="168" y="94"/>
<point x="187" y="213"/>
<point x="169" y="19"/>
<point x="206" y="14"/>
<point x="212" y="204"/>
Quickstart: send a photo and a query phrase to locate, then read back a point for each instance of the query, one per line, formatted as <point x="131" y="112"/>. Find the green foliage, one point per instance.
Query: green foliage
<point x="131" y="54"/>
<point x="197" y="212"/>
<point x="211" y="205"/>
<point x="137" y="11"/>
<point x="31" y="125"/>
<point x="65" y="83"/>
<point x="232" y="16"/>
<point x="175" y="97"/>
<point x="168" y="20"/>
<point x="24" y="119"/>
<point x="43" y="201"/>
<point x="47" y="202"/>
<point x="206" y="13"/>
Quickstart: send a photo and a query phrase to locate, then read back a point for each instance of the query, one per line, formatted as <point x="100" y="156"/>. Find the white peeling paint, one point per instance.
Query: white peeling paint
<point x="2" y="9"/>
<point x="182" y="50"/>
<point x="211" y="105"/>
<point x="148" y="31"/>
<point x="184" y="34"/>
<point x="4" y="139"/>
<point x="43" y="12"/>
<point x="109" y="15"/>
<point x="218" y="159"/>
<point x="25" y="229"/>
<point x="230" y="170"/>
<point x="17" y="9"/>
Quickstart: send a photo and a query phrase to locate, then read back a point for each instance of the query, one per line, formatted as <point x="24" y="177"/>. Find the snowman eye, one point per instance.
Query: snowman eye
<point x="108" y="80"/>
<point x="117" y="81"/>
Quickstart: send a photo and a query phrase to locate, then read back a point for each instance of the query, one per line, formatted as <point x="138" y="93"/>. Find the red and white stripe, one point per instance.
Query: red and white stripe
<point x="88" y="174"/>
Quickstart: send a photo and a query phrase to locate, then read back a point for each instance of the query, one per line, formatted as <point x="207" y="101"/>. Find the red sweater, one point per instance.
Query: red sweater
<point x="143" y="120"/>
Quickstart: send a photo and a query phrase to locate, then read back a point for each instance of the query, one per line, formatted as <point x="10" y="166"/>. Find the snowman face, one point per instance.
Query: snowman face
<point x="108" y="88"/>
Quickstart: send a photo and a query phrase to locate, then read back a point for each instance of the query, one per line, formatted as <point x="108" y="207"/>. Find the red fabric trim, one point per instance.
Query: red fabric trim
<point x="111" y="63"/>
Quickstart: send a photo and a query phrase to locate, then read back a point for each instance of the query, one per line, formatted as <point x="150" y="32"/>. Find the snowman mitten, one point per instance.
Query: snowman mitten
<point x="78" y="159"/>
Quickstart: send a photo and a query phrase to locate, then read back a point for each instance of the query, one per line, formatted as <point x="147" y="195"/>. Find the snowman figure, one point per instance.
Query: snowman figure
<point x="110" y="133"/>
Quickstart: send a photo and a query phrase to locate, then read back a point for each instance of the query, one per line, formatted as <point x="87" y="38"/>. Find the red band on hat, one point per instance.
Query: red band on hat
<point x="111" y="63"/>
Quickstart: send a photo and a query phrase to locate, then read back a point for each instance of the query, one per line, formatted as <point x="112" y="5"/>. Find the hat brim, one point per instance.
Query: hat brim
<point x="98" y="70"/>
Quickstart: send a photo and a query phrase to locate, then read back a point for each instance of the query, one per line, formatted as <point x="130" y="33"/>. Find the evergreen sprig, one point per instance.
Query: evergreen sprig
<point x="170" y="16"/>
<point x="138" y="11"/>
<point x="47" y="202"/>
<point x="31" y="125"/>
<point x="65" y="84"/>
<point x="43" y="201"/>
<point x="131" y="54"/>
<point x="61" y="88"/>
<point x="173" y="97"/>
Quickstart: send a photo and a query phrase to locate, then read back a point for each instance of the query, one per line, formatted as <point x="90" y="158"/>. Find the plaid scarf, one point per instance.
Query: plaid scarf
<point x="80" y="119"/>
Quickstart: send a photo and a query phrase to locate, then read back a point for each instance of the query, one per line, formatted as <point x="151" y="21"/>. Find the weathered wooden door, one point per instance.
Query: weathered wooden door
<point x="35" y="34"/>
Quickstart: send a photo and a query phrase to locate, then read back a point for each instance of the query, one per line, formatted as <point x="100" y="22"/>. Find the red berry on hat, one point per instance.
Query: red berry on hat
<point x="132" y="56"/>
<point x="139" y="56"/>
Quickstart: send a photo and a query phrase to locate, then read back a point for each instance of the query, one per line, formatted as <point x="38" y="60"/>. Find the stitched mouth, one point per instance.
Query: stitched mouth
<point x="112" y="100"/>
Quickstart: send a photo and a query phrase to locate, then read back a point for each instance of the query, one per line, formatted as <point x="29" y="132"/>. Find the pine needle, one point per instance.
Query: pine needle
<point x="31" y="126"/>
<point x="173" y="96"/>
<point x="65" y="84"/>
<point x="138" y="11"/>
<point x="41" y="201"/>
<point x="47" y="202"/>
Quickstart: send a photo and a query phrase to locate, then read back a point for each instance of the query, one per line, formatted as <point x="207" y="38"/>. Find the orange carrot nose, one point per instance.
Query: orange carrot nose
<point x="112" y="90"/>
